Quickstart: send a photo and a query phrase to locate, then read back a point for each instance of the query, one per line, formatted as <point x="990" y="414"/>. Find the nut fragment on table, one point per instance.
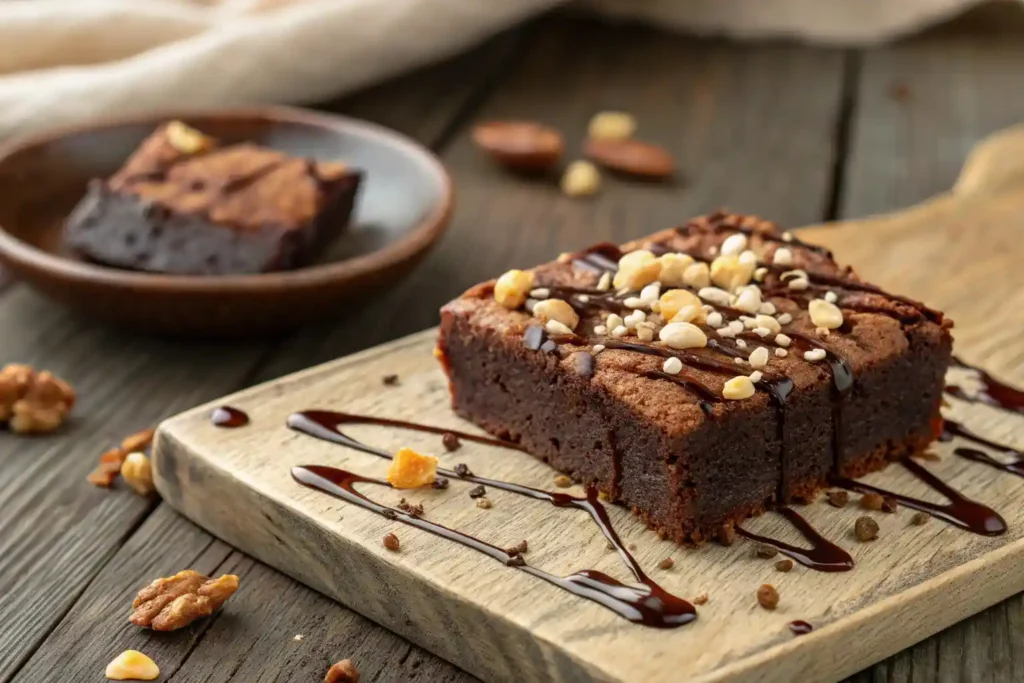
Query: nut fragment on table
<point x="612" y="125"/>
<point x="176" y="601"/>
<point x="632" y="157"/>
<point x="411" y="470"/>
<point x="132" y="665"/>
<point x="33" y="402"/>
<point x="342" y="672"/>
<point x="524" y="146"/>
<point x="112" y="461"/>
<point x="186" y="139"/>
<point x="138" y="473"/>
<point x="581" y="179"/>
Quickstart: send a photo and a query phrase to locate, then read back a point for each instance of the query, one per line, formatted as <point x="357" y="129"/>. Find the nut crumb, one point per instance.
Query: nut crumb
<point x="562" y="481"/>
<point x="667" y="563"/>
<point x="483" y="503"/>
<point x="767" y="596"/>
<point x="462" y="470"/>
<point x="919" y="518"/>
<point x="865" y="529"/>
<point x="389" y="380"/>
<point x="609" y="545"/>
<point x="132" y="665"/>
<point x="765" y="551"/>
<point x="176" y="601"/>
<point x="701" y="599"/>
<point x="727" y="535"/>
<point x="414" y="509"/>
<point x="889" y="505"/>
<point x="391" y="542"/>
<point x="451" y="442"/>
<point x="871" y="501"/>
<point x="342" y="672"/>
<point x="838" y="499"/>
<point x="519" y="548"/>
<point x="784" y="565"/>
<point x="297" y="637"/>
<point x="631" y="546"/>
<point x="477" y="492"/>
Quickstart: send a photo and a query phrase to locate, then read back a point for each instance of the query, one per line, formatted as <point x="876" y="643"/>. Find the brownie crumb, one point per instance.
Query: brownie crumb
<point x="483" y="503"/>
<point x="838" y="499"/>
<point x="701" y="599"/>
<point x="390" y="380"/>
<point x="562" y="481"/>
<point x="767" y="596"/>
<point x="391" y="543"/>
<point x="865" y="529"/>
<point x="727" y="535"/>
<point x="765" y="551"/>
<point x="784" y="565"/>
<point x="462" y="470"/>
<point x="889" y="505"/>
<point x="342" y="672"/>
<point x="440" y="484"/>
<point x="667" y="563"/>
<point x="631" y="546"/>
<point x="416" y="510"/>
<point x="451" y="442"/>
<point x="919" y="518"/>
<point x="477" y="492"/>
<point x="871" y="501"/>
<point x="518" y="548"/>
<point x="610" y="545"/>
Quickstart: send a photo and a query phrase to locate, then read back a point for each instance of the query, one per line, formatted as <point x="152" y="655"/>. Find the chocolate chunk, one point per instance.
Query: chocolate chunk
<point x="451" y="442"/>
<point x="390" y="380"/>
<point x="462" y="470"/>
<point x="865" y="529"/>
<point x="784" y="565"/>
<point x="765" y="551"/>
<point x="518" y="548"/>
<point x="477" y="492"/>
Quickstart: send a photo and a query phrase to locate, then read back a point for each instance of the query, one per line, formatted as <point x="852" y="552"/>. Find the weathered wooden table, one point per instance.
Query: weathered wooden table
<point x="798" y="134"/>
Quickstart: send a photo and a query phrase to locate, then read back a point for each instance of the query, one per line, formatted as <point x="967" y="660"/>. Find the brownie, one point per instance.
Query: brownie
<point x="184" y="204"/>
<point x="697" y="444"/>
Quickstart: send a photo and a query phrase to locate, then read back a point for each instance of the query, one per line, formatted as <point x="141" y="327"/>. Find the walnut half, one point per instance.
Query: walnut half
<point x="176" y="601"/>
<point x="33" y="402"/>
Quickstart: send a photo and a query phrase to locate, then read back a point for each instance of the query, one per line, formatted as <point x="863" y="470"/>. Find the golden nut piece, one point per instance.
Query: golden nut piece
<point x="611" y="125"/>
<point x="557" y="310"/>
<point x="412" y="470"/>
<point x="186" y="139"/>
<point x="729" y="272"/>
<point x="825" y="314"/>
<point x="342" y="672"/>
<point x="676" y="301"/>
<point x="138" y="473"/>
<point x="176" y="601"/>
<point x="581" y="179"/>
<point x="673" y="266"/>
<point x="513" y="287"/>
<point x="33" y="402"/>
<point x="132" y="665"/>
<point x="637" y="269"/>
<point x="738" y="388"/>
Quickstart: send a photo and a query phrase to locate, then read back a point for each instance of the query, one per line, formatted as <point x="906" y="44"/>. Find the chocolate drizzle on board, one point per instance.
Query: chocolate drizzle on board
<point x="822" y="556"/>
<point x="800" y="627"/>
<point x="228" y="417"/>
<point x="994" y="393"/>
<point x="645" y="603"/>
<point x="952" y="429"/>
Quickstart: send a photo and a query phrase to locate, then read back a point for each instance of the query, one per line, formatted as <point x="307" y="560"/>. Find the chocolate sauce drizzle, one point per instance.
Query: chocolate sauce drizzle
<point x="822" y="556"/>
<point x="995" y="393"/>
<point x="644" y="603"/>
<point x="952" y="429"/>
<point x="228" y="417"/>
<point x="800" y="627"/>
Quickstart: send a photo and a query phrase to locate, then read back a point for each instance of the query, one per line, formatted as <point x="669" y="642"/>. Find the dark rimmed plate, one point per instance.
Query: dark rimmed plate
<point x="403" y="207"/>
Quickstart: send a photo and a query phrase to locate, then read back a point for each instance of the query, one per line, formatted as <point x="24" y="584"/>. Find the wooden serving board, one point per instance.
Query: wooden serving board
<point x="961" y="252"/>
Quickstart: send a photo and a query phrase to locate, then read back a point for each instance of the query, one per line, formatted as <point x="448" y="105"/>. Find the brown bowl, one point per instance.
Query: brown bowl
<point x="403" y="206"/>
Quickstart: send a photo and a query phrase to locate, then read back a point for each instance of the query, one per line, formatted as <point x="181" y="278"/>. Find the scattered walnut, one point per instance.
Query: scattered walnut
<point x="765" y="551"/>
<point x="838" y="499"/>
<point x="410" y="470"/>
<point x="170" y="603"/>
<point x="767" y="596"/>
<point x="392" y="543"/>
<point x="919" y="518"/>
<point x="112" y="462"/>
<point x="132" y="665"/>
<point x="451" y="442"/>
<point x="667" y="563"/>
<point x="784" y="565"/>
<point x="865" y="529"/>
<point x="138" y="473"/>
<point x="33" y="402"/>
<point x="342" y="672"/>
<point x="562" y="481"/>
<point x="871" y="501"/>
<point x="701" y="599"/>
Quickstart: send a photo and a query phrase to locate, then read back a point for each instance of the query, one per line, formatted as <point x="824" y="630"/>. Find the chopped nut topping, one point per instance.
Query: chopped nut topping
<point x="734" y="244"/>
<point x="838" y="499"/>
<point x="666" y="563"/>
<point x="410" y="470"/>
<point x="697" y="275"/>
<point x="814" y="355"/>
<point x="729" y="273"/>
<point x="451" y="442"/>
<point x="672" y="366"/>
<point x="176" y="601"/>
<point x="392" y="543"/>
<point x="767" y="596"/>
<point x="598" y="348"/>
<point x="619" y="332"/>
<point x="132" y="665"/>
<point x="138" y="473"/>
<point x="611" y="125"/>
<point x="865" y="529"/>
<point x="31" y="402"/>
<point x="831" y="297"/>
<point x="674" y="301"/>
<point x="562" y="481"/>
<point x="741" y="344"/>
<point x="605" y="283"/>
<point x="767" y="308"/>
<point x="785" y="319"/>
<point x="758" y="358"/>
<point x="581" y="179"/>
<point x="738" y="388"/>
<point x="784" y="565"/>
<point x="749" y="300"/>
<point x="781" y="353"/>
<point x="871" y="501"/>
<point x="767" y="321"/>
<point x="483" y="503"/>
<point x="342" y="672"/>
<point x="645" y="334"/>
<point x="555" y="327"/>
<point x="825" y="314"/>
<point x="782" y="257"/>
<point x="683" y="336"/>
<point x="540" y="293"/>
<point x="756" y="376"/>
<point x="557" y="310"/>
<point x="636" y="270"/>
<point x="673" y="266"/>
<point x="701" y="599"/>
<point x="799" y="284"/>
<point x="783" y="340"/>
<point x="714" y="319"/>
<point x="714" y="295"/>
<point x="512" y="288"/>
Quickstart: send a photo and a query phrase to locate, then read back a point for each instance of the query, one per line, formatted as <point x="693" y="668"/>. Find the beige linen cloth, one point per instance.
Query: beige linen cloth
<point x="64" y="61"/>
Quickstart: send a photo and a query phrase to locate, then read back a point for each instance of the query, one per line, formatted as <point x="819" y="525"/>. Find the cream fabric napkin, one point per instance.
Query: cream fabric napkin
<point x="63" y="61"/>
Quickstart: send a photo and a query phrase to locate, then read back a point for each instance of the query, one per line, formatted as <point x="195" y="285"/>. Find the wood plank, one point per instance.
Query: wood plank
<point x="63" y="531"/>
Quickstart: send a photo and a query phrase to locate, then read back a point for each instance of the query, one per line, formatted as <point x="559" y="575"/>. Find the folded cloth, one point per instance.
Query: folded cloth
<point x="64" y="61"/>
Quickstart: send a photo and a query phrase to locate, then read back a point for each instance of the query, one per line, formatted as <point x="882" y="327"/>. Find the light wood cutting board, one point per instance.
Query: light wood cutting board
<point x="961" y="252"/>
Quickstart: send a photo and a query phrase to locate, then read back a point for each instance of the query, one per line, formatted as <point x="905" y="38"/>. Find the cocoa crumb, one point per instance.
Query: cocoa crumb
<point x="416" y="510"/>
<point x="440" y="483"/>
<point x="609" y="545"/>
<point x="483" y="503"/>
<point x="390" y="380"/>
<point x="631" y="546"/>
<point x="838" y="499"/>
<point x="871" y="501"/>
<point x="727" y="535"/>
<point x="784" y="565"/>
<point x="765" y="551"/>
<point x="562" y="481"/>
<point x="392" y="543"/>
<point x="919" y="518"/>
<point x="701" y="599"/>
<point x="518" y="548"/>
<point x="667" y="563"/>
<point x="865" y="529"/>
<point x="889" y="505"/>
<point x="451" y="442"/>
<point x="342" y="672"/>
<point x="767" y="596"/>
<point x="462" y="470"/>
<point x="477" y="492"/>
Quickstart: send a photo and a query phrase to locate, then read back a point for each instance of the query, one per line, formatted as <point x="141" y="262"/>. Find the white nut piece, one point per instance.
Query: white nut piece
<point x="785" y="319"/>
<point x="558" y="310"/>
<point x="756" y="376"/>
<point x="186" y="139"/>
<point x="768" y="308"/>
<point x="714" y="319"/>
<point x="672" y="366"/>
<point x="736" y="326"/>
<point x="637" y="269"/>
<point x="683" y="336"/>
<point x="758" y="358"/>
<point x="781" y="353"/>
<point x="825" y="314"/>
<point x="581" y="179"/>
<point x="831" y="297"/>
<point x="814" y="355"/>
<point x="540" y="293"/>
<point x="619" y="332"/>
<point x="799" y="284"/>
<point x="611" y="125"/>
<point x="675" y="300"/>
<point x="738" y="388"/>
<point x="613" y="320"/>
<point x="645" y="334"/>
<point x="717" y="296"/>
<point x="650" y="293"/>
<point x="634" y="302"/>
<point x="783" y="340"/>
<point x="729" y="273"/>
<point x="748" y="258"/>
<point x="672" y="268"/>
<point x="605" y="283"/>
<point x="782" y="257"/>
<point x="768" y="321"/>
<point x="749" y="300"/>
<point x="733" y="245"/>
<point x="697" y="275"/>
<point x="512" y="288"/>
<point x="689" y="314"/>
<point x="132" y="665"/>
<point x="600" y="329"/>
<point x="555" y="327"/>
